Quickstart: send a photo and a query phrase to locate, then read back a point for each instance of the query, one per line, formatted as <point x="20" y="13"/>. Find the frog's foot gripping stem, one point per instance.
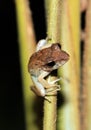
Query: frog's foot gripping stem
<point x="51" y="87"/>
<point x="54" y="87"/>
<point x="54" y="81"/>
<point x="52" y="90"/>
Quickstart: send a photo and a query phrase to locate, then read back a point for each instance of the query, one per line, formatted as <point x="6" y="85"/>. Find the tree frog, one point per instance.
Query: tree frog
<point x="48" y="57"/>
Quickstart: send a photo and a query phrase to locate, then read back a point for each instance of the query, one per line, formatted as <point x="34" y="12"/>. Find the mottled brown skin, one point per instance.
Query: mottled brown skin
<point x="40" y="60"/>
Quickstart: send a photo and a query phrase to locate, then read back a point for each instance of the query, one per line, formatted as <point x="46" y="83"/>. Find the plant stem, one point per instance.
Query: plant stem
<point x="86" y="93"/>
<point x="53" y="9"/>
<point x="53" y="31"/>
<point x="27" y="47"/>
<point x="50" y="114"/>
<point x="69" y="114"/>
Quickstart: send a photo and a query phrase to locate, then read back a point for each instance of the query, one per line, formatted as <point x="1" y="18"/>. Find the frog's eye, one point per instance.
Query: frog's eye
<point x="51" y="64"/>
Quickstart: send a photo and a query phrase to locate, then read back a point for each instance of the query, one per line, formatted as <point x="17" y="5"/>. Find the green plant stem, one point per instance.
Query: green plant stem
<point x="69" y="114"/>
<point x="53" y="31"/>
<point x="53" y="9"/>
<point x="86" y="88"/>
<point x="27" y="46"/>
<point x="50" y="114"/>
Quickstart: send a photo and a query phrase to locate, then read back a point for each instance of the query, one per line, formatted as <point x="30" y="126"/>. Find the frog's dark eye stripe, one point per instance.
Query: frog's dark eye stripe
<point x="51" y="64"/>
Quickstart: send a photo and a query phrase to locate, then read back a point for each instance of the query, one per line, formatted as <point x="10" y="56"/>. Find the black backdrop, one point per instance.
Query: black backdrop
<point x="11" y="105"/>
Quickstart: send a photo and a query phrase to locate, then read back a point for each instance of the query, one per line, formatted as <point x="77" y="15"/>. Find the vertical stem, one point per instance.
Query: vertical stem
<point x="69" y="116"/>
<point x="53" y="31"/>
<point x="53" y="20"/>
<point x="27" y="47"/>
<point x="86" y="104"/>
<point x="50" y="114"/>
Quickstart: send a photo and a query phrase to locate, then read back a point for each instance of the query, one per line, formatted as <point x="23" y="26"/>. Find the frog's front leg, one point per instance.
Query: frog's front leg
<point x="42" y="80"/>
<point x="43" y="87"/>
<point x="50" y="86"/>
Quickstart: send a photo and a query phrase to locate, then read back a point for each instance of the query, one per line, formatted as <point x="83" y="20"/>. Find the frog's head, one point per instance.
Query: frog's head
<point x="57" y="58"/>
<point x="60" y="56"/>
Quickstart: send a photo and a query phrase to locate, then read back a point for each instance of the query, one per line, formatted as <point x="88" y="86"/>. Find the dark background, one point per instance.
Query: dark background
<point x="11" y="103"/>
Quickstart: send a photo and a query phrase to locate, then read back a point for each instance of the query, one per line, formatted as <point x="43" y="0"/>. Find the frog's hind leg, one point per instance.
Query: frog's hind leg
<point x="52" y="90"/>
<point x="42" y="80"/>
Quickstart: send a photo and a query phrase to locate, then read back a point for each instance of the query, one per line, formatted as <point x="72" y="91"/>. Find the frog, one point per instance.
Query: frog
<point x="46" y="59"/>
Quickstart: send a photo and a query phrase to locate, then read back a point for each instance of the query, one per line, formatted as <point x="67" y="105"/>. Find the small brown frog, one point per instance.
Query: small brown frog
<point x="48" y="57"/>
